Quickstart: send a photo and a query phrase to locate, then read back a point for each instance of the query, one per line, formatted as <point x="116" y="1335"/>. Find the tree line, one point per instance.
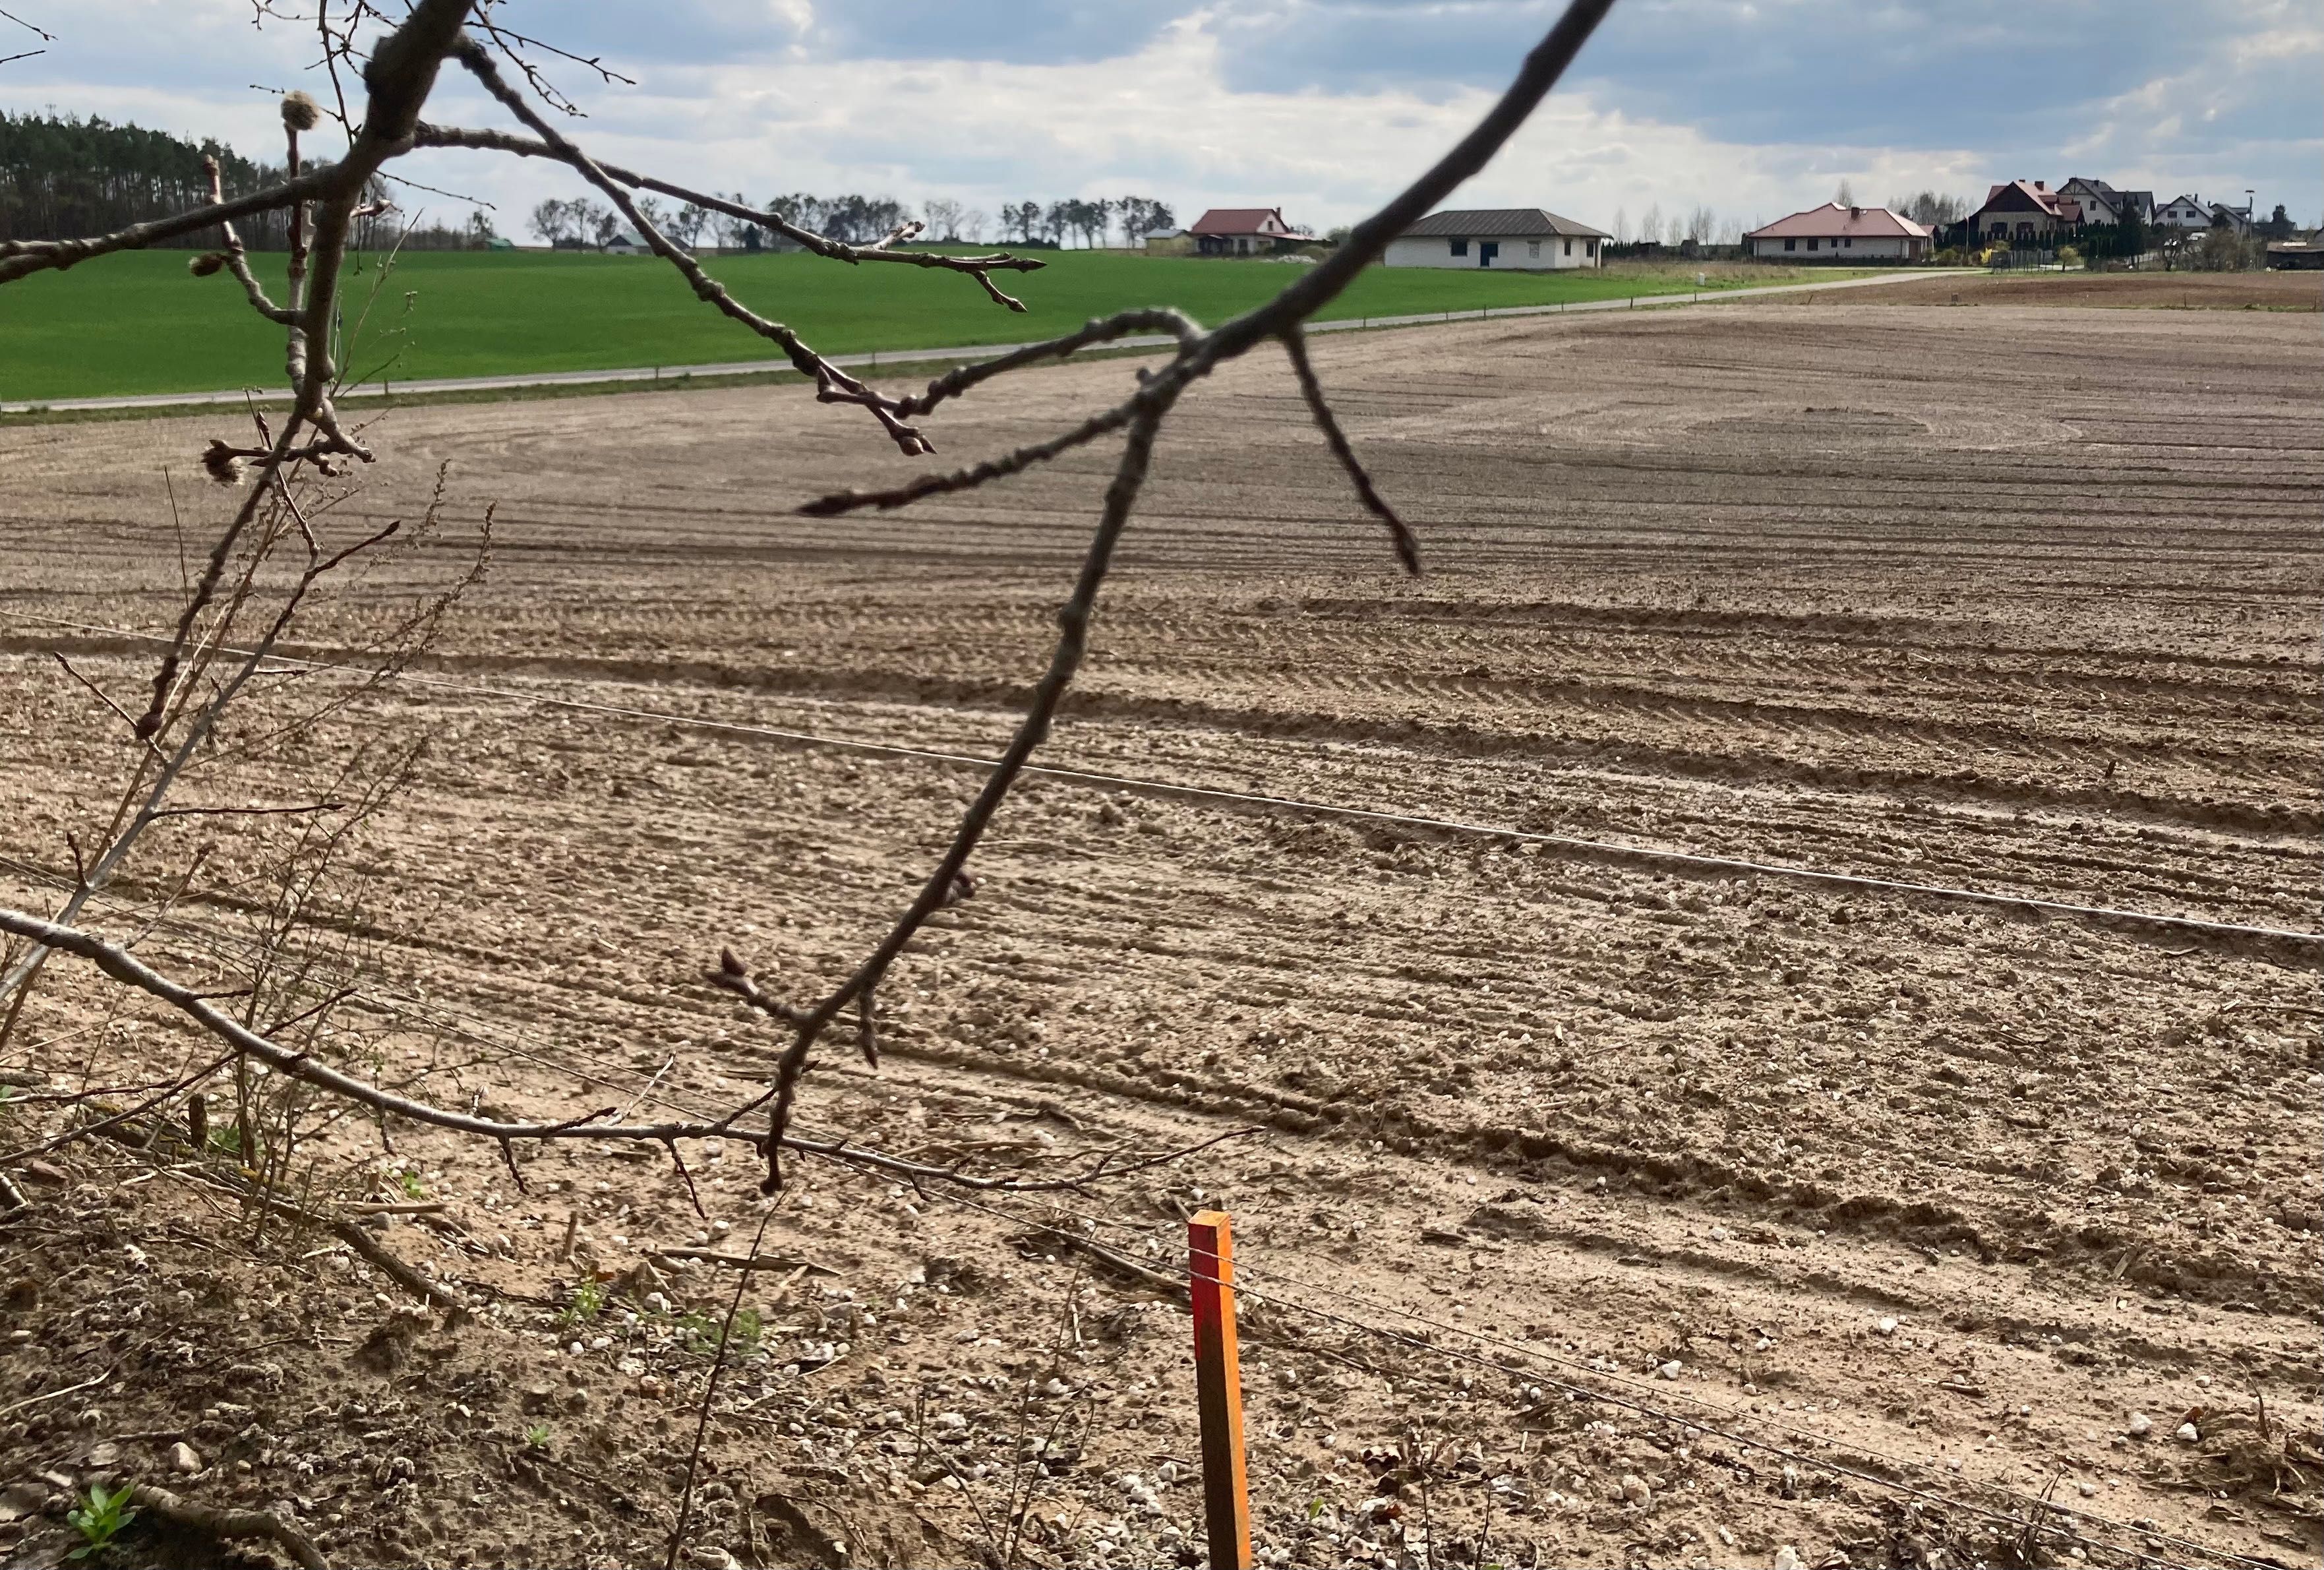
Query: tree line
<point x="580" y="222"/>
<point x="61" y="177"/>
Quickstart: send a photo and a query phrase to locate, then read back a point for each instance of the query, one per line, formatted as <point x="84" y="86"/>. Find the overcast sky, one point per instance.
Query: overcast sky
<point x="1754" y="107"/>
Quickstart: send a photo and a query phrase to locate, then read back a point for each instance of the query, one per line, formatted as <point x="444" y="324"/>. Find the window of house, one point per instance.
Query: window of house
<point x="1569" y="247"/>
<point x="1814" y="242"/>
<point x="1791" y="245"/>
<point x="1850" y="242"/>
<point x="1460" y="247"/>
<point x="1533" y="250"/>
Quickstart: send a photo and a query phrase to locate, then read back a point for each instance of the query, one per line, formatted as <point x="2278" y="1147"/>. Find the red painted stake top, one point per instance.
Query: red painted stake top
<point x="1218" y="1390"/>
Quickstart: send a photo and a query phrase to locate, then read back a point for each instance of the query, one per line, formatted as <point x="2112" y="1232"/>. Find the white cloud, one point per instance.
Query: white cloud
<point x="1178" y="118"/>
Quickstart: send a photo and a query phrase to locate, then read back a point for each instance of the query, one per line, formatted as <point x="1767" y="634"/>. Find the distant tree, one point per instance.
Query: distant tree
<point x="1650" y="227"/>
<point x="1622" y="227"/>
<point x="1701" y="224"/>
<point x="548" y="221"/>
<point x="741" y="234"/>
<point x="2277" y="227"/>
<point x="479" y="231"/>
<point x="655" y="212"/>
<point x="60" y="177"/>
<point x="1846" y="195"/>
<point x="943" y="216"/>
<point x="1142" y="215"/>
<point x="600" y="222"/>
<point x="971" y="227"/>
<point x="1022" y="220"/>
<point x="686" y="226"/>
<point x="2222" y="250"/>
<point x="1057" y="220"/>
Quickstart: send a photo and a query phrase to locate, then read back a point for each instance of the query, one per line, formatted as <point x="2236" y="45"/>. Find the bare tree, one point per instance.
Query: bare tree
<point x="314" y="442"/>
<point x="943" y="215"/>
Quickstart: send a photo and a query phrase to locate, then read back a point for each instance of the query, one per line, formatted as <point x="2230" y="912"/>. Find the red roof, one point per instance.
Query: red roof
<point x="1832" y="220"/>
<point x="1244" y="221"/>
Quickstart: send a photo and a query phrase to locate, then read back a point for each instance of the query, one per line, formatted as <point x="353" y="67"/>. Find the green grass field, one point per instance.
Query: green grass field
<point x="139" y="323"/>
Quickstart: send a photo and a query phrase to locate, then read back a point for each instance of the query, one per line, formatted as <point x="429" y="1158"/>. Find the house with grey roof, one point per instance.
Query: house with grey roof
<point x="1513" y="239"/>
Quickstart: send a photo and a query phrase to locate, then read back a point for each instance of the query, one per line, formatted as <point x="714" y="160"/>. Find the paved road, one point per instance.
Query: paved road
<point x="873" y="359"/>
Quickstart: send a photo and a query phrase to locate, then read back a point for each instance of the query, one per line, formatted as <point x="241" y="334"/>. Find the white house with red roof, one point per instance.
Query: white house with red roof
<point x="1244" y="232"/>
<point x="1834" y="233"/>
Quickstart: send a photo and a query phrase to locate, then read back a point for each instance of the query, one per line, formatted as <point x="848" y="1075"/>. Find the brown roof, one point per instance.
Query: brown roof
<point x="1491" y="223"/>
<point x="2027" y="194"/>
<point x="1833" y="220"/>
<point x="1243" y="221"/>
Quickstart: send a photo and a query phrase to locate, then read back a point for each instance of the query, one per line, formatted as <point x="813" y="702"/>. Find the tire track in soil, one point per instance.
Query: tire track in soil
<point x="1799" y="1100"/>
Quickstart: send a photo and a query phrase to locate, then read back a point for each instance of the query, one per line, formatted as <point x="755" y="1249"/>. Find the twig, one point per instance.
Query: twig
<point x="910" y="442"/>
<point x="709" y="1393"/>
<point x="980" y="268"/>
<point x="226" y="1524"/>
<point x="1407" y="549"/>
<point x="14" y="1407"/>
<point x="249" y="811"/>
<point x="751" y="1262"/>
<point x="126" y="967"/>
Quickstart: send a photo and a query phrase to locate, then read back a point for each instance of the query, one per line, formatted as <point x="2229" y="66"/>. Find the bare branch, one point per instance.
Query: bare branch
<point x="236" y="260"/>
<point x="706" y="288"/>
<point x="224" y="1525"/>
<point x="248" y="811"/>
<point x="979" y="267"/>
<point x="96" y="691"/>
<point x="123" y="966"/>
<point x="975" y="475"/>
<point x="22" y="258"/>
<point x="1407" y="549"/>
<point x="943" y="885"/>
<point x="1159" y="319"/>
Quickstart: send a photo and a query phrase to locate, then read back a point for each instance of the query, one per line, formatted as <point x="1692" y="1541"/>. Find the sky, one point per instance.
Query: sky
<point x="1753" y="108"/>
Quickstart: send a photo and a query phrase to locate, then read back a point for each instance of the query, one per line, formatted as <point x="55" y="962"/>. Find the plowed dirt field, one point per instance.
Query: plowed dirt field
<point x="1683" y="1214"/>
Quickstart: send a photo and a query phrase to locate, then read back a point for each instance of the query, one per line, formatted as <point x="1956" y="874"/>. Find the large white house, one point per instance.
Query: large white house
<point x="1516" y="239"/>
<point x="1832" y="232"/>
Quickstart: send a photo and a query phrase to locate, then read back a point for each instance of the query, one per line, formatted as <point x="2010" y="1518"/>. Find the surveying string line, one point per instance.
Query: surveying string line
<point x="1106" y="781"/>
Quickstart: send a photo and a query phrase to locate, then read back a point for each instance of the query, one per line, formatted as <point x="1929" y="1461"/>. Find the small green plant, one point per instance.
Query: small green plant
<point x="98" y="1517"/>
<point x="536" y="1436"/>
<point x="588" y="1302"/>
<point x="700" y="1333"/>
<point x="409" y="1182"/>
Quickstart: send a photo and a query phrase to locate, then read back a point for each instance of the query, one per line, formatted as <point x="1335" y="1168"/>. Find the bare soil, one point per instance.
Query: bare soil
<point x="1678" y="1217"/>
<point x="2148" y="291"/>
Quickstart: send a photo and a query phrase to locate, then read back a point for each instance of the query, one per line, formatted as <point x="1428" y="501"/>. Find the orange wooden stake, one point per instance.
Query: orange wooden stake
<point x="1218" y="1390"/>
